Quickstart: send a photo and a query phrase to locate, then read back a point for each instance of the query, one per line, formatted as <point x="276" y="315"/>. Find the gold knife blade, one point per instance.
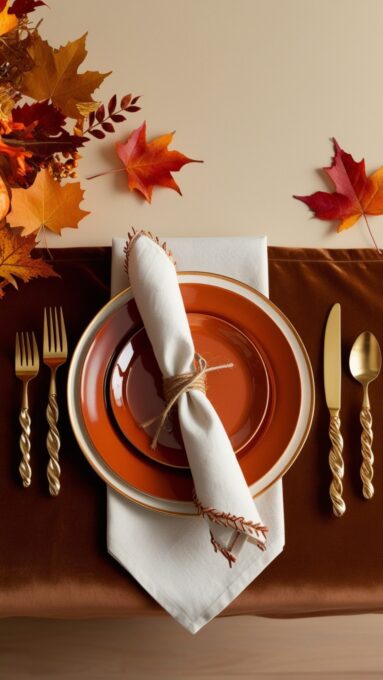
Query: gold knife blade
<point x="332" y="365"/>
<point x="333" y="359"/>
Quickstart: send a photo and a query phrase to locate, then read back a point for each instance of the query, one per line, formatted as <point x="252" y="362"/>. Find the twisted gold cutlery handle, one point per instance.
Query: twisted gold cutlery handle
<point x="336" y="465"/>
<point x="25" y="447"/>
<point x="53" y="446"/>
<point x="366" y="469"/>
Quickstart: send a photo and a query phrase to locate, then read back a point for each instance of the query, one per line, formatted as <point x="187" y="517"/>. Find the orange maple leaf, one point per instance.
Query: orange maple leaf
<point x="16" y="155"/>
<point x="150" y="164"/>
<point x="4" y="199"/>
<point x="18" y="166"/>
<point x="48" y="204"/>
<point x="7" y="21"/>
<point x="16" y="260"/>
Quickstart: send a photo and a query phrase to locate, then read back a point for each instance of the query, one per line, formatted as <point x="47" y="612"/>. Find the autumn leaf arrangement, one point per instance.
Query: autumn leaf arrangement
<point x="356" y="195"/>
<point x="41" y="140"/>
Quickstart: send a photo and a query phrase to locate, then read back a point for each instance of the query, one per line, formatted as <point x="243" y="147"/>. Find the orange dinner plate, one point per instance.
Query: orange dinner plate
<point x="264" y="458"/>
<point x="134" y="389"/>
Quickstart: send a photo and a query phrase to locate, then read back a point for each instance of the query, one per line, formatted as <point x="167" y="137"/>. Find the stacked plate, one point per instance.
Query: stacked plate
<point x="265" y="401"/>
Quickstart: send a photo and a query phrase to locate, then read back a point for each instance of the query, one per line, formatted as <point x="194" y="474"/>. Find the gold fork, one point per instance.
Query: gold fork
<point x="26" y="368"/>
<point x="55" y="352"/>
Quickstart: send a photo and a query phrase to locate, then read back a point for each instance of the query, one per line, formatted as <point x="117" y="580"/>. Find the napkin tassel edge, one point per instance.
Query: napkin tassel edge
<point x="133" y="235"/>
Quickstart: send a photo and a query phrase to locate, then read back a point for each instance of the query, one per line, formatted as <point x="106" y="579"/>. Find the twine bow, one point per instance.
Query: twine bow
<point x="179" y="384"/>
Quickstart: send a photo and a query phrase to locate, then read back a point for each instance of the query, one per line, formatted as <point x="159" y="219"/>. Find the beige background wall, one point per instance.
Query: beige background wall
<point x="255" y="88"/>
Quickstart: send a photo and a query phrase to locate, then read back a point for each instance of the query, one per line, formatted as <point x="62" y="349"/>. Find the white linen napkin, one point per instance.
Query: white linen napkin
<point x="171" y="557"/>
<point x="221" y="492"/>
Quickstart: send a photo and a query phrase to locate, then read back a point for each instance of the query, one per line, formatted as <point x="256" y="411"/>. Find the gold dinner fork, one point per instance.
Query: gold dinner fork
<point x="26" y="368"/>
<point x="55" y="352"/>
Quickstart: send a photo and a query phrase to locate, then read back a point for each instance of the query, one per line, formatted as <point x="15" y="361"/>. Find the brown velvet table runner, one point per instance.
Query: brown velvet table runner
<point x="53" y="558"/>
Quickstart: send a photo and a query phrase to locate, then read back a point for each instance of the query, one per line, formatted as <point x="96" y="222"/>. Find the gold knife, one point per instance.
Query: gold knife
<point x="332" y="385"/>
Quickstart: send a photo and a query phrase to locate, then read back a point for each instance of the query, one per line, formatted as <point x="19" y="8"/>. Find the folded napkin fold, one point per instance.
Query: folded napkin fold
<point x="169" y="555"/>
<point x="221" y="493"/>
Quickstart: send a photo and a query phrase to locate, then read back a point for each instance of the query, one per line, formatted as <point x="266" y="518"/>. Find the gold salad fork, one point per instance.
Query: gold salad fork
<point x="26" y="368"/>
<point x="55" y="352"/>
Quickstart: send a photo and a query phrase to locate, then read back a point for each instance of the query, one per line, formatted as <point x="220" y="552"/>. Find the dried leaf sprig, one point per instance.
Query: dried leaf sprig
<point x="102" y="118"/>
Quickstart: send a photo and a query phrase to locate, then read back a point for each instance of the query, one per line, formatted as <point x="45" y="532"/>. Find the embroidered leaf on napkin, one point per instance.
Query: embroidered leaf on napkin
<point x="54" y="75"/>
<point x="150" y="164"/>
<point x="48" y="204"/>
<point x="355" y="194"/>
<point x="16" y="260"/>
<point x="8" y="21"/>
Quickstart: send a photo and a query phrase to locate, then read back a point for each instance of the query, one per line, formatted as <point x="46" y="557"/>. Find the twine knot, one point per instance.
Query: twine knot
<point x="179" y="384"/>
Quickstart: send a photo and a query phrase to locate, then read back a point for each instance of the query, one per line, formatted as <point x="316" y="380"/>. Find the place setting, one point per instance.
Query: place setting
<point x="191" y="394"/>
<point x="170" y="463"/>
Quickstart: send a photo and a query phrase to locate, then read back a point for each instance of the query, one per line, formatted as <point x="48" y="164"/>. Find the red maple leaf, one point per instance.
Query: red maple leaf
<point x="21" y="7"/>
<point x="356" y="195"/>
<point x="41" y="114"/>
<point x="150" y="164"/>
<point x="39" y="129"/>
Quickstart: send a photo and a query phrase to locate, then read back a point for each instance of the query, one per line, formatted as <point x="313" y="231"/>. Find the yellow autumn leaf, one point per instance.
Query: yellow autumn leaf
<point x="54" y="75"/>
<point x="85" y="108"/>
<point x="7" y="21"/>
<point x="16" y="261"/>
<point x="6" y="103"/>
<point x="47" y="204"/>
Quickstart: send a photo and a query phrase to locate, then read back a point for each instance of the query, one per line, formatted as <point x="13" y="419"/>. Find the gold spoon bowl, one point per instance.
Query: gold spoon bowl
<point x="365" y="365"/>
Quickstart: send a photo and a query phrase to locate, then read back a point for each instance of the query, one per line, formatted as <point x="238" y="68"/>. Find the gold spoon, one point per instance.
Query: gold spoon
<point x="365" y="364"/>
